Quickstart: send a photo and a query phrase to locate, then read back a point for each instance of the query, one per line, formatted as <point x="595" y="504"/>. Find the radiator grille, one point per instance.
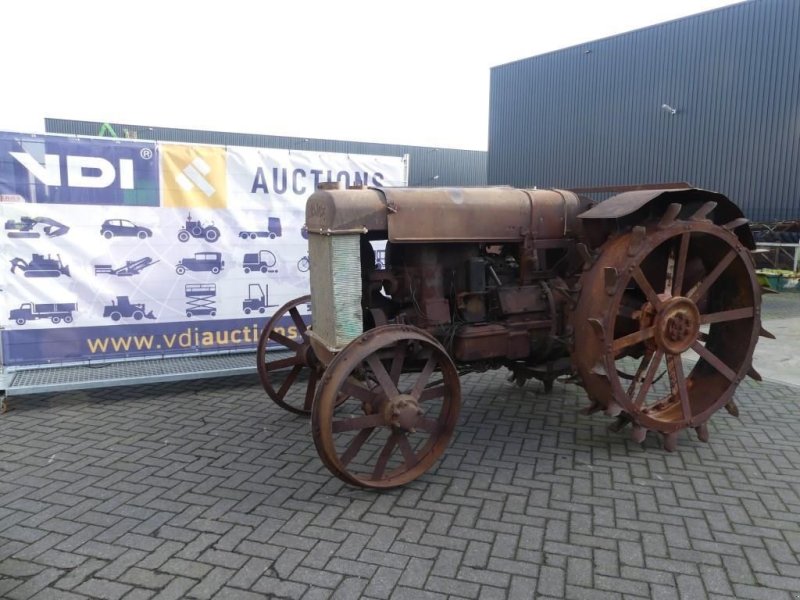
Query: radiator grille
<point x="336" y="288"/>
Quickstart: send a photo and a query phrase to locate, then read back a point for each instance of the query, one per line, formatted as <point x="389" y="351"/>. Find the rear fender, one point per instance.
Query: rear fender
<point x="624" y="211"/>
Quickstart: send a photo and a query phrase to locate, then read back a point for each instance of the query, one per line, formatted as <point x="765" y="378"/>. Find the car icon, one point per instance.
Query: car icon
<point x="202" y="261"/>
<point x="123" y="228"/>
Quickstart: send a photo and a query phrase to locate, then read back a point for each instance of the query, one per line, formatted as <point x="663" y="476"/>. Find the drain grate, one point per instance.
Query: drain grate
<point x="54" y="379"/>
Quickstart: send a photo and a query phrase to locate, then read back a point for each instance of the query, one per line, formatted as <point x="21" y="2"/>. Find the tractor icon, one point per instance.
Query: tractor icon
<point x="195" y="229"/>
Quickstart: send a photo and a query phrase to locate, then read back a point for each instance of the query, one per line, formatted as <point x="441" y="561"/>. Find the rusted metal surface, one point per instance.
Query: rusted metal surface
<point x="689" y="287"/>
<point x="616" y="297"/>
<point x="387" y="407"/>
<point x="460" y="214"/>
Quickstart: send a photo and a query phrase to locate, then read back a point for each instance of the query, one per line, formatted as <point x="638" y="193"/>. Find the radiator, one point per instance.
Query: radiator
<point x="335" y="288"/>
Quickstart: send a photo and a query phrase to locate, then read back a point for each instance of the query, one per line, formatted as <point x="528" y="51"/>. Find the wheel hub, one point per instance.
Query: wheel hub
<point x="677" y="325"/>
<point x="306" y="354"/>
<point x="402" y="412"/>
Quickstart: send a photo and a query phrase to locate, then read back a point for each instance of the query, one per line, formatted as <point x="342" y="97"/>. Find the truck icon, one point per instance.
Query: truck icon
<point x="202" y="261"/>
<point x="273" y="230"/>
<point x="257" y="299"/>
<point x="55" y="312"/>
<point x="261" y="261"/>
<point x="123" y="307"/>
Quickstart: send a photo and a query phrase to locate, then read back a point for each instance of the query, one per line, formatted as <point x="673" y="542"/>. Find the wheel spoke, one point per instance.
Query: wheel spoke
<point x="284" y="341"/>
<point x="298" y="320"/>
<point x="282" y="363"/>
<point x="355" y="446"/>
<point x="701" y="287"/>
<point x="408" y="452"/>
<point x="389" y="388"/>
<point x="310" y="389"/>
<point x="680" y="271"/>
<point x="385" y="455"/>
<point x="727" y="315"/>
<point x="631" y="339"/>
<point x="714" y="361"/>
<point x="424" y="376"/>
<point x="677" y="382"/>
<point x="397" y="362"/>
<point x="289" y="381"/>
<point x="353" y="389"/>
<point x="638" y="378"/>
<point x="645" y="286"/>
<point x="648" y="379"/>
<point x="357" y="423"/>
<point x="431" y="393"/>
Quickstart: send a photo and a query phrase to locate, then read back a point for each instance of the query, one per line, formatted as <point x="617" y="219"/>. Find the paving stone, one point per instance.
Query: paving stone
<point x="176" y="589"/>
<point x="289" y="589"/>
<point x="77" y="575"/>
<point x="103" y="588"/>
<point x="531" y="498"/>
<point x="551" y="582"/>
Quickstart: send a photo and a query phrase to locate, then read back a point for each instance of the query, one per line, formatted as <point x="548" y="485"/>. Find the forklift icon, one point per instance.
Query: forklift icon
<point x="257" y="299"/>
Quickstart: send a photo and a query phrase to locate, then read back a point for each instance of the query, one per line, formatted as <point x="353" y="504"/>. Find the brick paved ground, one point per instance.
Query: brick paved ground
<point x="207" y="490"/>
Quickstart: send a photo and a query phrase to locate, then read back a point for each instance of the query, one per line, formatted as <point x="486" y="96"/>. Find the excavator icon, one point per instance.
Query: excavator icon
<point x="25" y="227"/>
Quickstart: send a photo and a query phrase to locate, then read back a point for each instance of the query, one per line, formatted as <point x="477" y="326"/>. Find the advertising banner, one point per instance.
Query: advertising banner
<point x="201" y="269"/>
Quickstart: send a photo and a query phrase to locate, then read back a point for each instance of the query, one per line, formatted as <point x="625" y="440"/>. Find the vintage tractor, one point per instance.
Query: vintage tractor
<point x="649" y="300"/>
<point x="195" y="229"/>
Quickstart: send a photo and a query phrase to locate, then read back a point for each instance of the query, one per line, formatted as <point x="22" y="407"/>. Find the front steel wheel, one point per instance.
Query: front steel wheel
<point x="386" y="408"/>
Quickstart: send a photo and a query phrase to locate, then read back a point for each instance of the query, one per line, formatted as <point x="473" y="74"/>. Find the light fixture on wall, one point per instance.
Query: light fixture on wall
<point x="669" y="109"/>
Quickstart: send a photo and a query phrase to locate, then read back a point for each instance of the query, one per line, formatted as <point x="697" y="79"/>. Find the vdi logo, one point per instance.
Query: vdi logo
<point x="81" y="171"/>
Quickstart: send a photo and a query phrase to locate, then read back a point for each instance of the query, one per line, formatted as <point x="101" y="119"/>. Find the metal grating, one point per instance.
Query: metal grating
<point x="52" y="379"/>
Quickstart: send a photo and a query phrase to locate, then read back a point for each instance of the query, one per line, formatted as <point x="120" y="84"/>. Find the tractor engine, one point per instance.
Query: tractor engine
<point x="485" y="271"/>
<point x="472" y="297"/>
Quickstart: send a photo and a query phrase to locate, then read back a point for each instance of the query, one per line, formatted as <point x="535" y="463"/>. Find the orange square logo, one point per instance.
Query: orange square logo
<point x="193" y="176"/>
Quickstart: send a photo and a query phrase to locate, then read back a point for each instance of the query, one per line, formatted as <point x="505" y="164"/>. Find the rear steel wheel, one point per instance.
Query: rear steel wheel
<point x="279" y="376"/>
<point x="656" y="295"/>
<point x="396" y="397"/>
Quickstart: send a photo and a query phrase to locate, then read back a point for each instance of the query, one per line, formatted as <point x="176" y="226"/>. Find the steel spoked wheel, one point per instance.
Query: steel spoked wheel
<point x="656" y="296"/>
<point x="279" y="376"/>
<point x="387" y="407"/>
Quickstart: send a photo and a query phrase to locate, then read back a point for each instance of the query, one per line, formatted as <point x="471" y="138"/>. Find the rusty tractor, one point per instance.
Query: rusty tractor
<point x="649" y="300"/>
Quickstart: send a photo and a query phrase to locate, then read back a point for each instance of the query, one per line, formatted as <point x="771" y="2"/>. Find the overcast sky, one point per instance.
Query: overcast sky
<point x="410" y="72"/>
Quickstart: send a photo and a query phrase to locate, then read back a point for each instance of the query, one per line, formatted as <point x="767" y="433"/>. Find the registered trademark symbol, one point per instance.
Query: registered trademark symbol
<point x="146" y="153"/>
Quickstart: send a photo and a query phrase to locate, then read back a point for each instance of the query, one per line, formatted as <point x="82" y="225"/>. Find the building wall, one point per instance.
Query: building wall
<point x="427" y="166"/>
<point x="593" y="115"/>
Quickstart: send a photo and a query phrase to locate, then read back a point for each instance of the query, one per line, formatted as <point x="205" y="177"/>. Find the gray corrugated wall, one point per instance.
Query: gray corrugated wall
<point x="592" y="114"/>
<point x="453" y="167"/>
